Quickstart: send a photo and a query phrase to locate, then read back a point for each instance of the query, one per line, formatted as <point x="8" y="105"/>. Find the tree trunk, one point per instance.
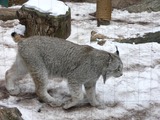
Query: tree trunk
<point x="38" y="23"/>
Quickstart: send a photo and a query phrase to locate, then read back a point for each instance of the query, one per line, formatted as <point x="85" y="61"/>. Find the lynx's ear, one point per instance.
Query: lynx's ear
<point x="104" y="78"/>
<point x="117" y="52"/>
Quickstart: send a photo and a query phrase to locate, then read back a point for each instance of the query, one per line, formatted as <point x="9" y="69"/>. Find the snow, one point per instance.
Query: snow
<point x="54" y="7"/>
<point x="135" y="95"/>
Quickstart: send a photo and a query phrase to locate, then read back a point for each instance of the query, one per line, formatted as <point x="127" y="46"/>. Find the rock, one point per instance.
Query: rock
<point x="120" y="4"/>
<point x="148" y="37"/>
<point x="98" y="37"/>
<point x="95" y="36"/>
<point x="10" y="114"/>
<point x="145" y="5"/>
<point x="101" y="42"/>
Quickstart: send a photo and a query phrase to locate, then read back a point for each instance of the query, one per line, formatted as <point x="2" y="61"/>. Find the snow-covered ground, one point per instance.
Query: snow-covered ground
<point x="134" y="96"/>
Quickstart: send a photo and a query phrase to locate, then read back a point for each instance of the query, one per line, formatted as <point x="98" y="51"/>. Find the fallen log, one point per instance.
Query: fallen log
<point x="148" y="37"/>
<point x="8" y="14"/>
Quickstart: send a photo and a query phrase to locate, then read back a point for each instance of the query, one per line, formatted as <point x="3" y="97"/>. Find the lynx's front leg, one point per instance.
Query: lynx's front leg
<point x="76" y="94"/>
<point x="91" y="93"/>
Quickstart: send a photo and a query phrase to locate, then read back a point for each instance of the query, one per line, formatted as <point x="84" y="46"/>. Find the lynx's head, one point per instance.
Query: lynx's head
<point x="115" y="66"/>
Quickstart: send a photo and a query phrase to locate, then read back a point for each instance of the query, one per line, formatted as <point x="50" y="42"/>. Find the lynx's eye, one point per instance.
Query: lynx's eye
<point x="118" y="69"/>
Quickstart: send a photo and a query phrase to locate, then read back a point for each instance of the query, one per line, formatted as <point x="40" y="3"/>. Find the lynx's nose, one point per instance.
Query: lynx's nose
<point x="121" y="74"/>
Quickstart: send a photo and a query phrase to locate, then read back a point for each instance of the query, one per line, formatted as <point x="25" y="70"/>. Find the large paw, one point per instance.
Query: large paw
<point x="55" y="104"/>
<point x="97" y="104"/>
<point x="112" y="104"/>
<point x="14" y="91"/>
<point x="68" y="104"/>
<point x="101" y="106"/>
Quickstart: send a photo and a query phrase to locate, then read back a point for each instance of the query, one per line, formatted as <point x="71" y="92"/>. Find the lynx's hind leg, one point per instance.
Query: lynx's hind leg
<point x="41" y="81"/>
<point x="76" y="95"/>
<point x="39" y="74"/>
<point x="16" y="72"/>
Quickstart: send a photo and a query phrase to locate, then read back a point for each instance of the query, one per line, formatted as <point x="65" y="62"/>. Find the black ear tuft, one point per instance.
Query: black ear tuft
<point x="117" y="52"/>
<point x="13" y="34"/>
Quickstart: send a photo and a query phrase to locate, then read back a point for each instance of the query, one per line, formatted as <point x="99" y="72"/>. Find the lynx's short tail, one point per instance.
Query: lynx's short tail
<point x="16" y="37"/>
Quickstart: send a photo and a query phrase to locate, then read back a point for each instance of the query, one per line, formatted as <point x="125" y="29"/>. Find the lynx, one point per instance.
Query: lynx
<point x="48" y="57"/>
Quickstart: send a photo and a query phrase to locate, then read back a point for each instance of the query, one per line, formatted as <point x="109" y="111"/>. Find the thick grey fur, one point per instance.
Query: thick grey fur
<point x="46" y="57"/>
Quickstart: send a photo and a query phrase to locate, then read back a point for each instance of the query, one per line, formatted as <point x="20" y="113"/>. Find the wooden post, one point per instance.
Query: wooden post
<point x="103" y="13"/>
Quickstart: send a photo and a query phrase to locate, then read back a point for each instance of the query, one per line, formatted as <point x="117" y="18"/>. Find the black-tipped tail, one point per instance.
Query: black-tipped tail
<point x="13" y="34"/>
<point x="117" y="51"/>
